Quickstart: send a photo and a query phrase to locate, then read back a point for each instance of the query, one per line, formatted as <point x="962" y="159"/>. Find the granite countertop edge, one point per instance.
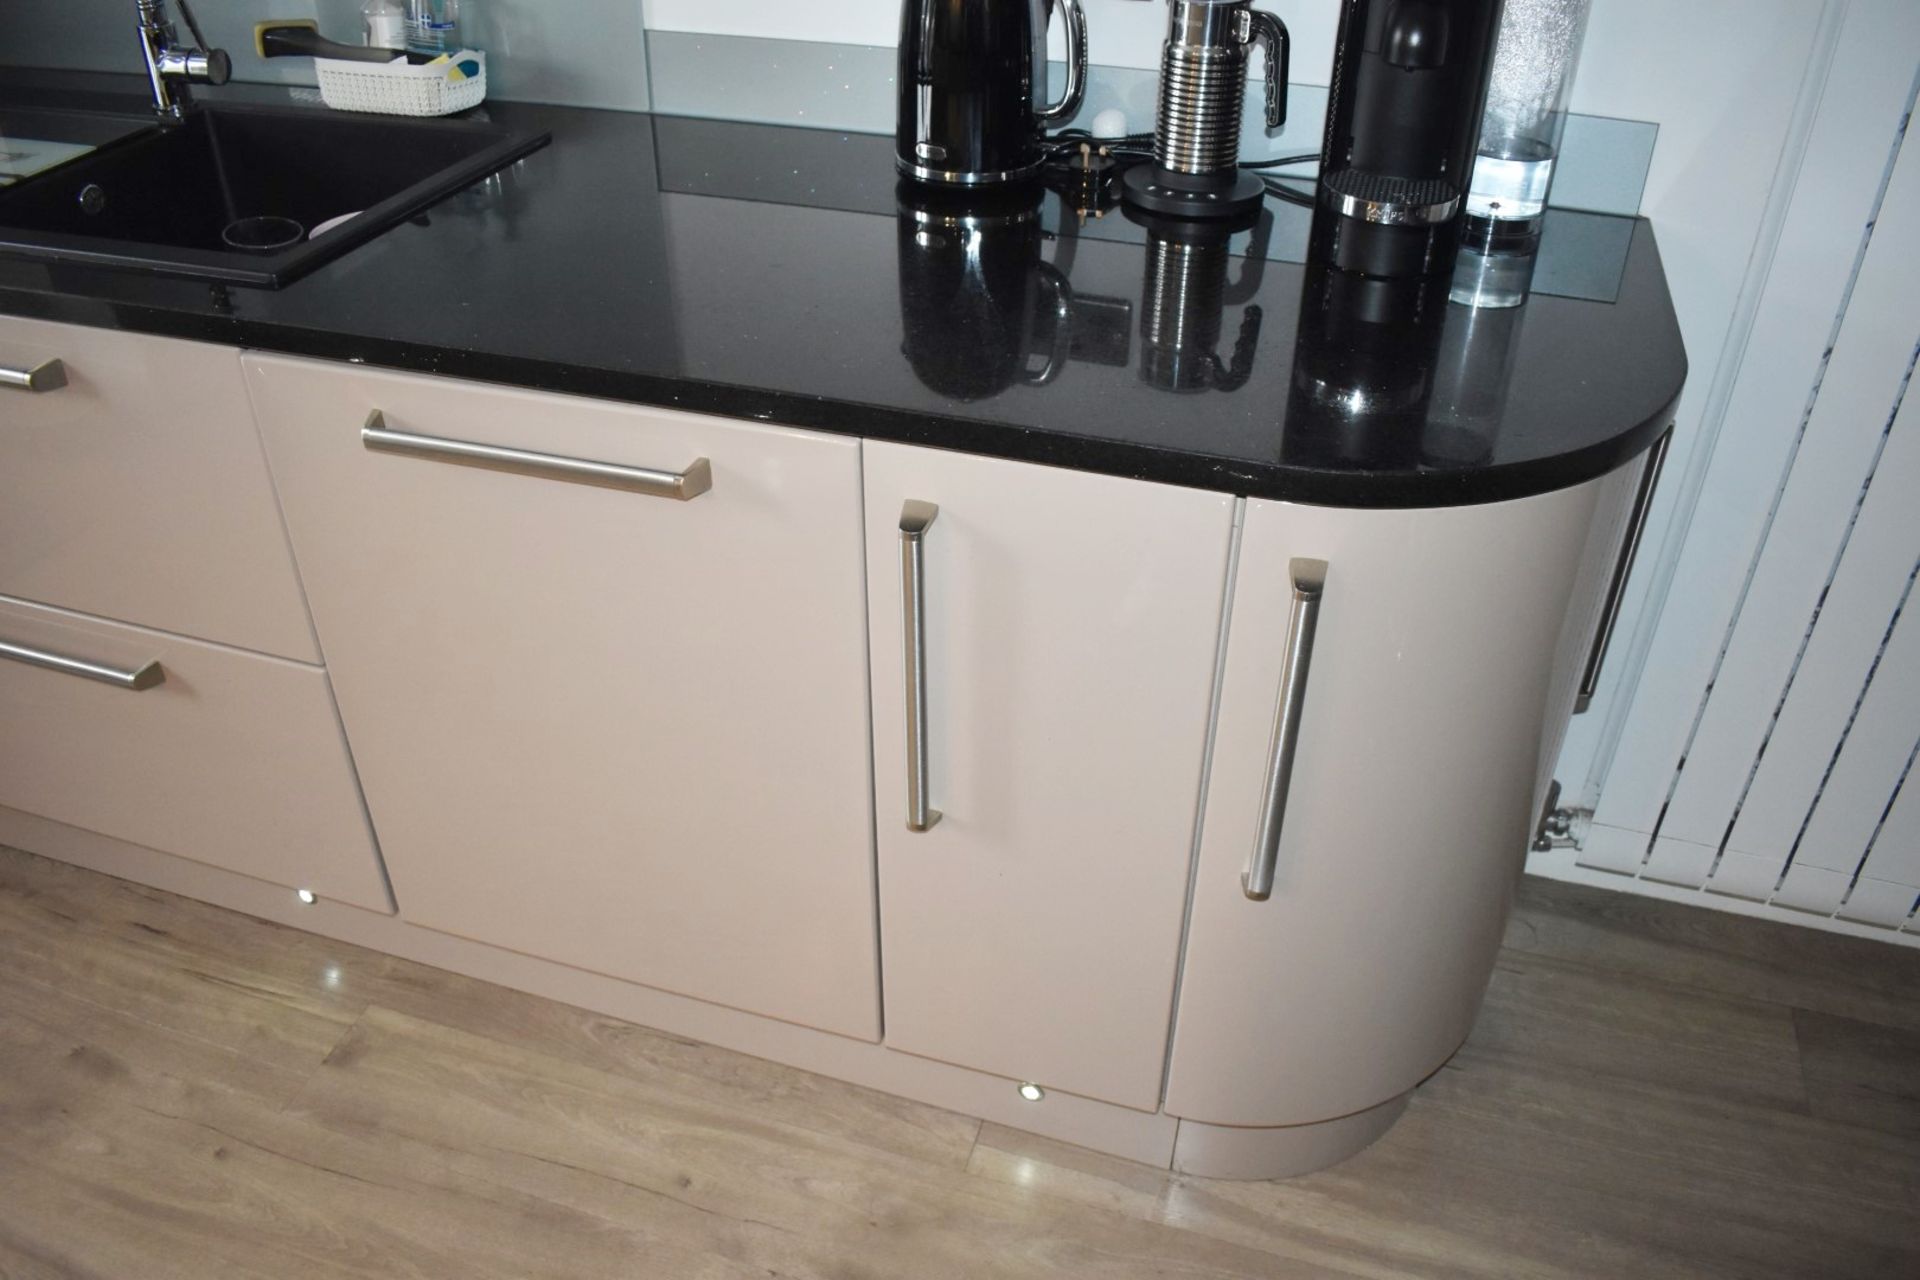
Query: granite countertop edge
<point x="1135" y="461"/>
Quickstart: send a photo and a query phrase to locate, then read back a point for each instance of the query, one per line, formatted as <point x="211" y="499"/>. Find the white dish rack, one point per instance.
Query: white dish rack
<point x="399" y="89"/>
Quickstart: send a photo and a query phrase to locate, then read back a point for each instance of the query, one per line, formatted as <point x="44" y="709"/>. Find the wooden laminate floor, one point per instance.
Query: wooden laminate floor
<point x="1651" y="1091"/>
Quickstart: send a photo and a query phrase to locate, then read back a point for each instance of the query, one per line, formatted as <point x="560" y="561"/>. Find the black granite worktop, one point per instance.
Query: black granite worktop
<point x="775" y="274"/>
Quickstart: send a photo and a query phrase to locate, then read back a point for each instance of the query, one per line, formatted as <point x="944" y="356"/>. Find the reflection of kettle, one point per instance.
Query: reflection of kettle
<point x="1184" y="299"/>
<point x="981" y="310"/>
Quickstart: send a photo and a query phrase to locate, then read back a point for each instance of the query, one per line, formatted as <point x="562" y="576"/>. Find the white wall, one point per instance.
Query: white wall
<point x="1120" y="33"/>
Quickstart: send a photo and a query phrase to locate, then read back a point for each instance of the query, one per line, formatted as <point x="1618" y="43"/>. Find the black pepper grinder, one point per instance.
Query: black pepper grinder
<point x="1409" y="86"/>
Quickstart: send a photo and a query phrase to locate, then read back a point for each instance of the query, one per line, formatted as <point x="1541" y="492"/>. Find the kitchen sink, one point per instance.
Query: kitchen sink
<point x="247" y="194"/>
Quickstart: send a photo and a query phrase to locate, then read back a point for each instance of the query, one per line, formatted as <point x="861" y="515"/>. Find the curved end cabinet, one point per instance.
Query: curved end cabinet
<point x="1366" y="816"/>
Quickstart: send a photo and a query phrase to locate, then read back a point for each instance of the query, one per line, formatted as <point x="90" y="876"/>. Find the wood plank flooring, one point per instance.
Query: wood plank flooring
<point x="1651" y="1091"/>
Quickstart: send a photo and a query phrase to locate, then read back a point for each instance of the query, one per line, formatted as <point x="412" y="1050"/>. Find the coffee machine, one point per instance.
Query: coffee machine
<point x="1409" y="86"/>
<point x="973" y="88"/>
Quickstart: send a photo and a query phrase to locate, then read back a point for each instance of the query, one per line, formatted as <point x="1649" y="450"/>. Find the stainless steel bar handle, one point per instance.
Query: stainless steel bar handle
<point x="915" y="519"/>
<point x="48" y="375"/>
<point x="139" y="679"/>
<point x="1622" y="570"/>
<point x="678" y="485"/>
<point x="1309" y="583"/>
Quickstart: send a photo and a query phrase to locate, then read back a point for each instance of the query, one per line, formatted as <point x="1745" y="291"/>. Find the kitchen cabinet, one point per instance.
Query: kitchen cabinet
<point x="1068" y="626"/>
<point x="157" y="677"/>
<point x="1441" y="648"/>
<point x="756" y="716"/>
<point x="199" y="750"/>
<point x="608" y="700"/>
<point x="132" y="487"/>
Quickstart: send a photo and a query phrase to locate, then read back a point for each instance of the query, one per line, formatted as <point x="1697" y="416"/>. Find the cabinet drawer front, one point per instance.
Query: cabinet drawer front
<point x="1070" y="628"/>
<point x="595" y="723"/>
<point x="137" y="490"/>
<point x="1405" y="824"/>
<point x="212" y="754"/>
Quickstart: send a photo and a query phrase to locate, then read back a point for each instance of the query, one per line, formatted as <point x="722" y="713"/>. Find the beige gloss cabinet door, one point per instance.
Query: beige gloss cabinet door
<point x="136" y="491"/>
<point x="232" y="759"/>
<point x="614" y="730"/>
<point x="1072" y="622"/>
<point x="1407" y="820"/>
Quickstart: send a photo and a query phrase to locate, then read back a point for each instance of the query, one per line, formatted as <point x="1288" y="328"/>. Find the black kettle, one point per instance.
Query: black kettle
<point x="973" y="87"/>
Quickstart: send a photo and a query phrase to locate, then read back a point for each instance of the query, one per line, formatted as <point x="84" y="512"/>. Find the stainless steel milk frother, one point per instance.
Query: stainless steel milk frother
<point x="1196" y="143"/>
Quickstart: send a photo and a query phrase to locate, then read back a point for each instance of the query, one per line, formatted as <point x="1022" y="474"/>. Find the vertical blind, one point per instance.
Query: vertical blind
<point x="1795" y="784"/>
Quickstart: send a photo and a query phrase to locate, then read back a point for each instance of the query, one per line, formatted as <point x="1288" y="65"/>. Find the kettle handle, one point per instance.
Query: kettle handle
<point x="1076" y="91"/>
<point x="1054" y="281"/>
<point x="1270" y="31"/>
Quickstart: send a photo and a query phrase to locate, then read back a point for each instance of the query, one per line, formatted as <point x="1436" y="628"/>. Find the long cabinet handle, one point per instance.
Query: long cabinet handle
<point x="1622" y="569"/>
<point x="1309" y="583"/>
<point x="915" y="519"/>
<point x="141" y="678"/>
<point x="48" y="375"/>
<point x="678" y="485"/>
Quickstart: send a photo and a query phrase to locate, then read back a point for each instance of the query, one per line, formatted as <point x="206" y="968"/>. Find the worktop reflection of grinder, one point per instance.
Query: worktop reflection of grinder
<point x="1388" y="376"/>
<point x="1363" y="367"/>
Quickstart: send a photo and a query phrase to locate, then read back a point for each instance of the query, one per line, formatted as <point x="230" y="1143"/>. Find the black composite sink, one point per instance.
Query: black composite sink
<point x="234" y="193"/>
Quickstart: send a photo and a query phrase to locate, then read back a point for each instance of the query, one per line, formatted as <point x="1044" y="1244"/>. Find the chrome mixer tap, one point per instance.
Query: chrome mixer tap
<point x="171" y="66"/>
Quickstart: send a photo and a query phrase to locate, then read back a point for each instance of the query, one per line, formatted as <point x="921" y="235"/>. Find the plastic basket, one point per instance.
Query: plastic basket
<point x="397" y="89"/>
